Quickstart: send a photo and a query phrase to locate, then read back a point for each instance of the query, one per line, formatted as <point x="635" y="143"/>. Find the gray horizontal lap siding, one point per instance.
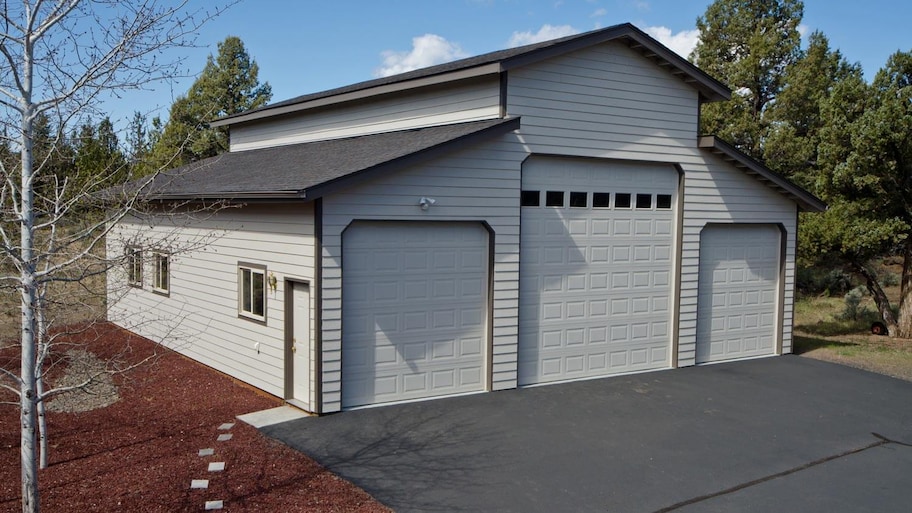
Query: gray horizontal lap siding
<point x="481" y="184"/>
<point x="611" y="102"/>
<point x="200" y="316"/>
<point x="472" y="100"/>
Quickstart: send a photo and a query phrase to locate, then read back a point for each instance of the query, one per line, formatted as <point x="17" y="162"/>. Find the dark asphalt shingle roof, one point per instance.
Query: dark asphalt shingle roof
<point x="307" y="169"/>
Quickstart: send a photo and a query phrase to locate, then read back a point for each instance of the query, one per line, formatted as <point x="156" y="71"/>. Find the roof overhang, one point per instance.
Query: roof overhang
<point x="805" y="200"/>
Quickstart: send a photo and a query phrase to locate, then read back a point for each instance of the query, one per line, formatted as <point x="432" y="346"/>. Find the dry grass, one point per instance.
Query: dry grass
<point x="71" y="303"/>
<point x="822" y="332"/>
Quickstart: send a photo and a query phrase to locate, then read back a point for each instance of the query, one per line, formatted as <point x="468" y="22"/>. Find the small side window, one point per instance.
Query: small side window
<point x="134" y="265"/>
<point x="663" y="201"/>
<point x="579" y="199"/>
<point x="554" y="199"/>
<point x="252" y="292"/>
<point x="622" y="200"/>
<point x="644" y="200"/>
<point x="162" y="279"/>
<point x="530" y="198"/>
<point x="601" y="199"/>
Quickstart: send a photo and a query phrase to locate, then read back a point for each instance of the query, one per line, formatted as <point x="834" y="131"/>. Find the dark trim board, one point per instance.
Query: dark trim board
<point x="317" y="300"/>
<point x="679" y="265"/>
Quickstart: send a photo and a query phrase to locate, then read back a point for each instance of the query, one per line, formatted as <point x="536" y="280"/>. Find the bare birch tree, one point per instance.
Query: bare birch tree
<point x="61" y="59"/>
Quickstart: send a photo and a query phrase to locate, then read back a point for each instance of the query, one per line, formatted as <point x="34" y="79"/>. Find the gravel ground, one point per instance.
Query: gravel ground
<point x="96" y="388"/>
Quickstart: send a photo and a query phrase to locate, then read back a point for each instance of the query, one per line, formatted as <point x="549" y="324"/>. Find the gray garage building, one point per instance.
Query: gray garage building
<point x="529" y="216"/>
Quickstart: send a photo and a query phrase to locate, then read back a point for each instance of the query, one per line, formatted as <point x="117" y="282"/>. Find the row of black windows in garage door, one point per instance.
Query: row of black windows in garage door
<point x="599" y="200"/>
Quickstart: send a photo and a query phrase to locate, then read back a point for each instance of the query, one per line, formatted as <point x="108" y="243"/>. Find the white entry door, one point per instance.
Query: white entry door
<point x="300" y="343"/>
<point x="414" y="309"/>
<point x="596" y="262"/>
<point x="738" y="292"/>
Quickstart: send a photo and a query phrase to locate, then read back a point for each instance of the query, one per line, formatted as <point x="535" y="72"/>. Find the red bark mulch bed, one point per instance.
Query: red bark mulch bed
<point x="141" y="453"/>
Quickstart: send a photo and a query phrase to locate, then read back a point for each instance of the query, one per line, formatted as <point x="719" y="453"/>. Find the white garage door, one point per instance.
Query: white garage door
<point x="738" y="292"/>
<point x="414" y="301"/>
<point x="595" y="268"/>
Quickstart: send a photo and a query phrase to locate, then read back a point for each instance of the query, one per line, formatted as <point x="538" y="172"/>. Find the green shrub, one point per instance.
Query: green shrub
<point x="817" y="280"/>
<point x="853" y="309"/>
<point x="889" y="279"/>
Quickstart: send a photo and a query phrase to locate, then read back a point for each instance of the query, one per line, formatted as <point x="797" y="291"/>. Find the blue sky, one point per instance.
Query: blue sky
<point x="304" y="46"/>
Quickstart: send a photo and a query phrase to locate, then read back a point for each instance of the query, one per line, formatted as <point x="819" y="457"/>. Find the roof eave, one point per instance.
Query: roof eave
<point x="805" y="200"/>
<point x="230" y="196"/>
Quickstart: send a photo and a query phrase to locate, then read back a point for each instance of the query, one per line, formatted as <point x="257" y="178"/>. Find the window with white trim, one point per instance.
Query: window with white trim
<point x="134" y="265"/>
<point x="252" y="291"/>
<point x="161" y="282"/>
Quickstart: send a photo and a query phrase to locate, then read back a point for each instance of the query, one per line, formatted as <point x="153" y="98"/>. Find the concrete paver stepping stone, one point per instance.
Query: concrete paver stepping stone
<point x="217" y="466"/>
<point x="206" y="452"/>
<point x="199" y="484"/>
<point x="225" y="437"/>
<point x="226" y="426"/>
<point x="211" y="505"/>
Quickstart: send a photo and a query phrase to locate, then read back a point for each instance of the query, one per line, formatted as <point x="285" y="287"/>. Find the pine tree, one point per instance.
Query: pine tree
<point x="229" y="84"/>
<point x="796" y="118"/>
<point x="866" y="177"/>
<point x="747" y="44"/>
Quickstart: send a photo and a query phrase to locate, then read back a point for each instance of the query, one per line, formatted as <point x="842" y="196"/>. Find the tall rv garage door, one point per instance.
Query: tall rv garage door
<point x="596" y="259"/>
<point x="415" y="298"/>
<point x="738" y="292"/>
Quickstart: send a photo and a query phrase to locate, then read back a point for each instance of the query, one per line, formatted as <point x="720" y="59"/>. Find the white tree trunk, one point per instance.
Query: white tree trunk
<point x="28" y="397"/>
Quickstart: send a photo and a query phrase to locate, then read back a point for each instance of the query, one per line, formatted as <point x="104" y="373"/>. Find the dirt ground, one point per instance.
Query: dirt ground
<point x="142" y="452"/>
<point x="884" y="355"/>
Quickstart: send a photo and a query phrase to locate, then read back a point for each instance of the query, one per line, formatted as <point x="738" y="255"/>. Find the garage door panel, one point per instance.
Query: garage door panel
<point x="738" y="292"/>
<point x="595" y="282"/>
<point x="414" y="321"/>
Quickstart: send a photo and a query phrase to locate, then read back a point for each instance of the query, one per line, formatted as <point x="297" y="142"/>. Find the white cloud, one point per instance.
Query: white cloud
<point x="803" y="29"/>
<point x="427" y="50"/>
<point x="681" y="43"/>
<point x="545" y="33"/>
<point x="599" y="12"/>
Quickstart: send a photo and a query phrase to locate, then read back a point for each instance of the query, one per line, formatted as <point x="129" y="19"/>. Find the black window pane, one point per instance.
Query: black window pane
<point x="245" y="290"/>
<point x="554" y="199"/>
<point x="165" y="273"/>
<point x="530" y="198"/>
<point x="601" y="199"/>
<point x="622" y="200"/>
<point x="259" y="296"/>
<point x="579" y="199"/>
<point x="663" y="201"/>
<point x="644" y="200"/>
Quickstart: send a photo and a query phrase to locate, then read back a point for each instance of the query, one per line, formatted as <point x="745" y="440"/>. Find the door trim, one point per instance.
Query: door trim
<point x="289" y="336"/>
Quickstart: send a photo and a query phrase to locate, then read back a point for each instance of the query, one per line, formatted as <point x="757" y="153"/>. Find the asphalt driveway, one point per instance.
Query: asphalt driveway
<point x="776" y="434"/>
